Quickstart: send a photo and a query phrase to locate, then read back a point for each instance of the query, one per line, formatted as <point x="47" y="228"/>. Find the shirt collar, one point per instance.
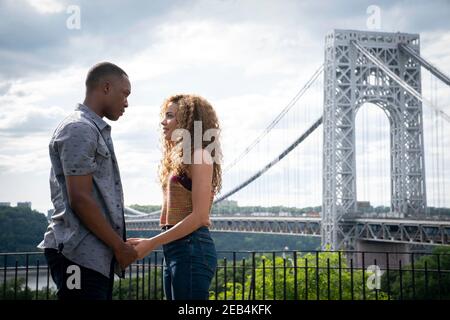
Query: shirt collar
<point x="101" y="124"/>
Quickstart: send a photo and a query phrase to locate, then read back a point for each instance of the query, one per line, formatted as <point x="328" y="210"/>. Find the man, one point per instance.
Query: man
<point x="85" y="242"/>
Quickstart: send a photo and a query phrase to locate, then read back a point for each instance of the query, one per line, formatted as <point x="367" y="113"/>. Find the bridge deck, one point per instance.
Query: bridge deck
<point x="386" y="230"/>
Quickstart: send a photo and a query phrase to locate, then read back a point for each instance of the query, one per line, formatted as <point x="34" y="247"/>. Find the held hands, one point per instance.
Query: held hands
<point x="125" y="254"/>
<point x="143" y="246"/>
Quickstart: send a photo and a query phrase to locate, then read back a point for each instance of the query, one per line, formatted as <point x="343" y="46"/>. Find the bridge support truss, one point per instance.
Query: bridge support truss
<point x="352" y="78"/>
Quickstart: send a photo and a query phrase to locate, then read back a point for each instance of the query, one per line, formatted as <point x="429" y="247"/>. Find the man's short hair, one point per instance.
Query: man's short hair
<point x="100" y="71"/>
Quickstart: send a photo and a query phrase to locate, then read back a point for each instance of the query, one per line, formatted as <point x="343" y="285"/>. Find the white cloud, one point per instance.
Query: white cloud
<point x="47" y="6"/>
<point x="29" y="119"/>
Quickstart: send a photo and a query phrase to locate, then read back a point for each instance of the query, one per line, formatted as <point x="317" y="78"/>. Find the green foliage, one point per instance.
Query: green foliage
<point x="232" y="208"/>
<point x="138" y="289"/>
<point x="16" y="290"/>
<point x="21" y="229"/>
<point x="226" y="241"/>
<point x="440" y="212"/>
<point x="145" y="208"/>
<point x="311" y="282"/>
<point x="425" y="282"/>
<point x="143" y="280"/>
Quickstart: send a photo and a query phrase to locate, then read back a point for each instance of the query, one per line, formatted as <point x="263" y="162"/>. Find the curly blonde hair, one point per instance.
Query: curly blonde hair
<point x="190" y="108"/>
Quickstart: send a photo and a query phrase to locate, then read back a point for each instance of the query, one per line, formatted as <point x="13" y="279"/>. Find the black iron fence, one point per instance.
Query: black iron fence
<point x="275" y="275"/>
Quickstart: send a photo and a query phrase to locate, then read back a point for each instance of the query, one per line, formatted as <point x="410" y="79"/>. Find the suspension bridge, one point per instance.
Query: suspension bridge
<point x="383" y="111"/>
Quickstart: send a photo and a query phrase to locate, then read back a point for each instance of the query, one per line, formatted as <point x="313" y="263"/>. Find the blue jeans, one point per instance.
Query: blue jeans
<point x="189" y="266"/>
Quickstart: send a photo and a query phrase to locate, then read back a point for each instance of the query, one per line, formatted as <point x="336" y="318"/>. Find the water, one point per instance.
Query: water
<point x="10" y="275"/>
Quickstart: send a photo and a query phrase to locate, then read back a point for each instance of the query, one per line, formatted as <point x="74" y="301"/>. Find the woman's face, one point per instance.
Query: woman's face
<point x="169" y="123"/>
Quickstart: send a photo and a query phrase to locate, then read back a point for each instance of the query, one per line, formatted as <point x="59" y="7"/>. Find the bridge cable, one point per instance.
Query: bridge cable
<point x="277" y="118"/>
<point x="424" y="63"/>
<point x="273" y="162"/>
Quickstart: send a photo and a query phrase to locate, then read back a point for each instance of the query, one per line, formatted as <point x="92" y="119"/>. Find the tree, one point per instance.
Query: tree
<point x="16" y="290"/>
<point x="428" y="278"/>
<point x="317" y="277"/>
<point x="22" y="230"/>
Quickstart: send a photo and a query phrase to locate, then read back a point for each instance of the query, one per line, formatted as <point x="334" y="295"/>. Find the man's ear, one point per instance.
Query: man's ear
<point x="106" y="87"/>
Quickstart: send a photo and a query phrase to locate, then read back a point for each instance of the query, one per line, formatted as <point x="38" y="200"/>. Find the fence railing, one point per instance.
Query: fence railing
<point x="273" y="275"/>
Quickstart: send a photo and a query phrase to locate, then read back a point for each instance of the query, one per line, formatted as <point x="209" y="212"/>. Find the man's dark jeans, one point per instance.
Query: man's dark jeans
<point x="93" y="285"/>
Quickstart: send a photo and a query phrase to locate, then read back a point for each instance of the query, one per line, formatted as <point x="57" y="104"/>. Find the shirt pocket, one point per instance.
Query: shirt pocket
<point x="103" y="150"/>
<point x="102" y="157"/>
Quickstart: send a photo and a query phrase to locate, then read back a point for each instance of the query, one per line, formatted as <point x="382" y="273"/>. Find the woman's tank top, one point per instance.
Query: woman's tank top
<point x="177" y="200"/>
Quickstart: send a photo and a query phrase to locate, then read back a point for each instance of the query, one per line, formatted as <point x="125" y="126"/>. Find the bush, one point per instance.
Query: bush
<point x="425" y="282"/>
<point x="17" y="291"/>
<point x="312" y="283"/>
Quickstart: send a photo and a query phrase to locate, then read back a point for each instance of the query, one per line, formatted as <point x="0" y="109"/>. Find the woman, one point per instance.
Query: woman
<point x="190" y="176"/>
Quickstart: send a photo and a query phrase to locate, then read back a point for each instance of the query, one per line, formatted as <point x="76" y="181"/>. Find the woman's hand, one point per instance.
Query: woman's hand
<point x="143" y="246"/>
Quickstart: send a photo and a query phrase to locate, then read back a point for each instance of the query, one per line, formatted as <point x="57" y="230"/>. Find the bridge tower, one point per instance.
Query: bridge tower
<point x="350" y="80"/>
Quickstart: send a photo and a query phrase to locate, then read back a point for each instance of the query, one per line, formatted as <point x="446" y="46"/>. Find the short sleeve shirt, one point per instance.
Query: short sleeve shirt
<point x="82" y="145"/>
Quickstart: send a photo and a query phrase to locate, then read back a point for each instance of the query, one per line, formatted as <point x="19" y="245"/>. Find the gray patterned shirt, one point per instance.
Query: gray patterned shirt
<point x="82" y="145"/>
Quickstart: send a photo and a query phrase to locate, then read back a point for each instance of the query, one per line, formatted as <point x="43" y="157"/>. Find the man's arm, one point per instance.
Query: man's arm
<point x="79" y="189"/>
<point x="77" y="146"/>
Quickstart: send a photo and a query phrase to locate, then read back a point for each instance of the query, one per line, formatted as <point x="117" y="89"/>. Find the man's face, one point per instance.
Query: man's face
<point x="116" y="98"/>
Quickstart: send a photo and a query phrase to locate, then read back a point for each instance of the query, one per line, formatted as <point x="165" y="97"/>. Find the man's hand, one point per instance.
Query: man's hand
<point x="125" y="255"/>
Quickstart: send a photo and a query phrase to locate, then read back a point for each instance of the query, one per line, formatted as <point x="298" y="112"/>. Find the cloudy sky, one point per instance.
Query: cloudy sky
<point x="248" y="58"/>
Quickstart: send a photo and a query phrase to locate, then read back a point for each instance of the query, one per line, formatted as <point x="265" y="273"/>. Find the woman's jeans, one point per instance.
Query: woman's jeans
<point x="189" y="266"/>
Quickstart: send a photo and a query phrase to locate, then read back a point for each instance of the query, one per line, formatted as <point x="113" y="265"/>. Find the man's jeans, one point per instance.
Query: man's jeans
<point x="189" y="266"/>
<point x="92" y="284"/>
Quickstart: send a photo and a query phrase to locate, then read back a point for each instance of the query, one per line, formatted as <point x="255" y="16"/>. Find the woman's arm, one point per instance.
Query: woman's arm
<point x="201" y="176"/>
